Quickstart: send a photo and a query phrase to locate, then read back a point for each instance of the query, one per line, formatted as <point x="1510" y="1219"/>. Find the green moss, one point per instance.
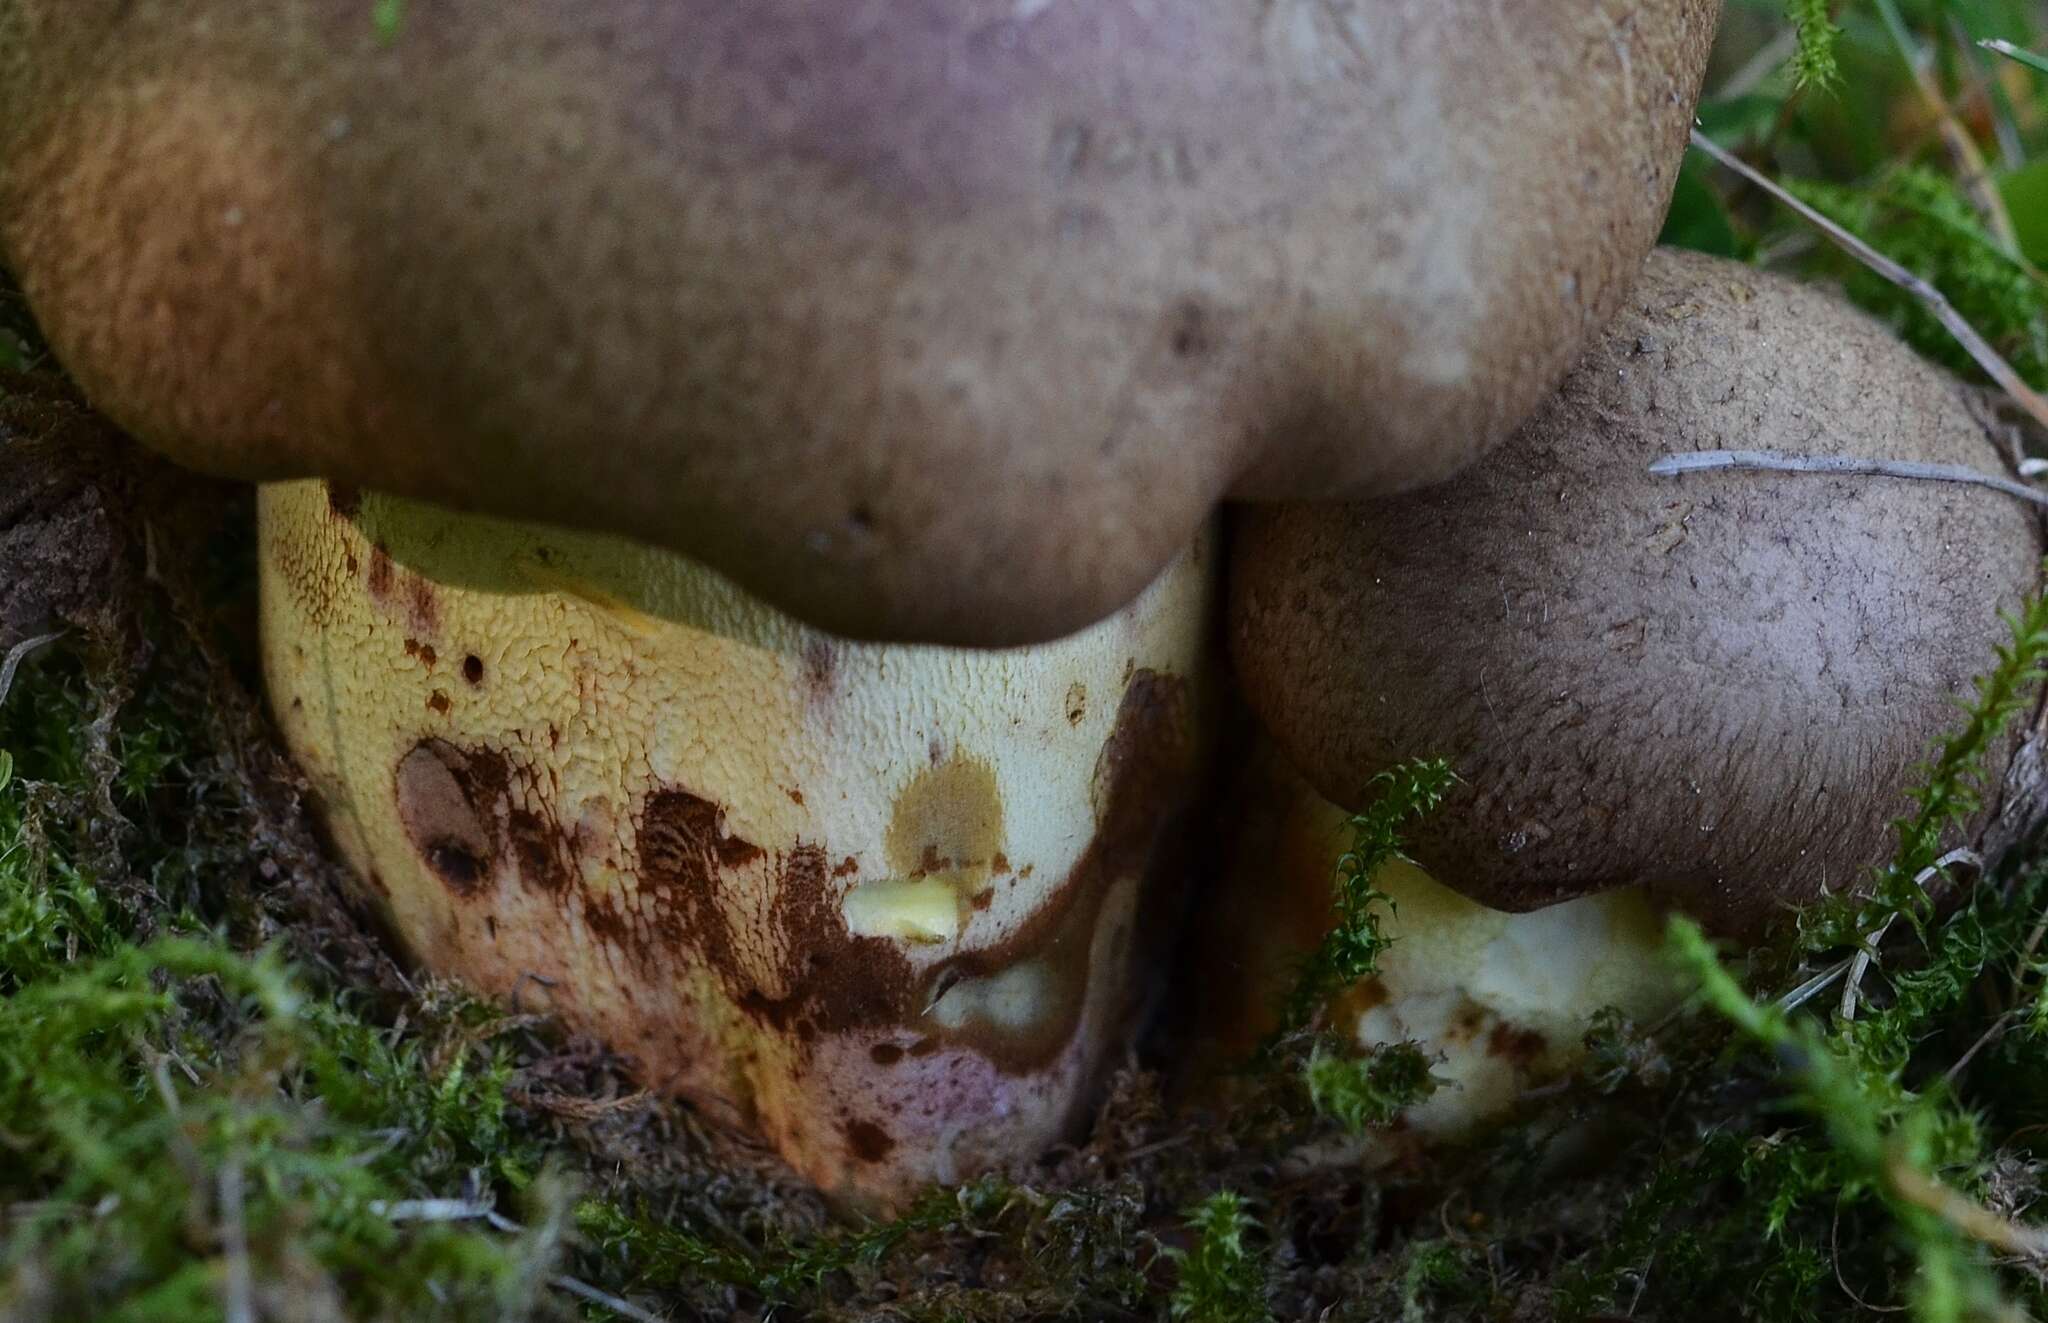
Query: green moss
<point x="1351" y="950"/>
<point x="1222" y="1279"/>
<point x="1923" y="220"/>
<point x="1815" y="64"/>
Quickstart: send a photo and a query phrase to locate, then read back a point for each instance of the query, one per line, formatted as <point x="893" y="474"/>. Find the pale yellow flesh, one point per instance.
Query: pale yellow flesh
<point x="936" y="801"/>
<point x="1500" y="1002"/>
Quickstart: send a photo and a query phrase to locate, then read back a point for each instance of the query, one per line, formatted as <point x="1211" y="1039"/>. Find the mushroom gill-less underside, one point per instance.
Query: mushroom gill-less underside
<point x="936" y="319"/>
<point x="1497" y="1003"/>
<point x="1722" y="686"/>
<point x="889" y="907"/>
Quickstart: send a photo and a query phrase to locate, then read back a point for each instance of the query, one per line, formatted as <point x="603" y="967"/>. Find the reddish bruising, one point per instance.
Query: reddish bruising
<point x="1523" y="1047"/>
<point x="423" y="651"/>
<point x="541" y="848"/>
<point x="459" y="809"/>
<point x="868" y="1141"/>
<point x="683" y="849"/>
<point x="796" y="797"/>
<point x="1000" y="864"/>
<point x="821" y="668"/>
<point x="381" y="576"/>
<point x="837" y="980"/>
<point x="847" y="867"/>
<point x="424" y="607"/>
<point x="830" y="981"/>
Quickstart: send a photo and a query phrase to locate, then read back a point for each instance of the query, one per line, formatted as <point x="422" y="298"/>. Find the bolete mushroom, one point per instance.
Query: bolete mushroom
<point x="1500" y="1003"/>
<point x="947" y="320"/>
<point x="1719" y="687"/>
<point x="888" y="906"/>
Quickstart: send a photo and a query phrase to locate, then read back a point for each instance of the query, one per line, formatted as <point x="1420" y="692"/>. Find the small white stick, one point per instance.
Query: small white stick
<point x="20" y="653"/>
<point x="1778" y="461"/>
<point x="1966" y="335"/>
<point x="623" y="1308"/>
<point x="430" y="1210"/>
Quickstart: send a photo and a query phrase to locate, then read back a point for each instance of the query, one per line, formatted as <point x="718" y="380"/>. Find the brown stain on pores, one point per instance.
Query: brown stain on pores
<point x="821" y="979"/>
<point x="483" y="817"/>
<point x="868" y="1141"/>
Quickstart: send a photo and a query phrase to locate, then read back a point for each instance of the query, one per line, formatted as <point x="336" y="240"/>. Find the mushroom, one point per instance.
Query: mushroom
<point x="890" y="907"/>
<point x="1720" y="688"/>
<point x="945" y="320"/>
<point x="1500" y="1003"/>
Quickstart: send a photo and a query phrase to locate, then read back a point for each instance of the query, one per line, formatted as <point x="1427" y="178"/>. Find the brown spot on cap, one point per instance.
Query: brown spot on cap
<point x="473" y="669"/>
<point x="438" y="702"/>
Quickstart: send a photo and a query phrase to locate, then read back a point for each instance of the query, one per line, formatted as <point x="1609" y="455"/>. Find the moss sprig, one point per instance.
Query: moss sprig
<point x="1222" y="1279"/>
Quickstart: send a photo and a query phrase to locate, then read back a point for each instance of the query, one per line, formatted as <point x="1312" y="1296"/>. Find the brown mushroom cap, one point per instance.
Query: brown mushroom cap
<point x="1719" y="686"/>
<point x="945" y="319"/>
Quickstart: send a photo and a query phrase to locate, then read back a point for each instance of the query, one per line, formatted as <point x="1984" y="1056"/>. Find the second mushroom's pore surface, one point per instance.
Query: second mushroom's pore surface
<point x="884" y="905"/>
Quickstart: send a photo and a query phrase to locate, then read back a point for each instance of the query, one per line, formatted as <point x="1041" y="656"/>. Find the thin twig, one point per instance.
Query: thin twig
<point x="1867" y="952"/>
<point x="1984" y="1040"/>
<point x="1979" y="349"/>
<point x="1859" y="965"/>
<point x="1835" y="1253"/>
<point x="20" y="653"/>
<point x="1814" y="986"/>
<point x="622" y="1307"/>
<point x="1778" y="461"/>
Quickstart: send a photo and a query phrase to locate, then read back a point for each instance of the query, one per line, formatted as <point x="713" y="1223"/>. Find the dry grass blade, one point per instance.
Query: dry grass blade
<point x="1978" y="348"/>
<point x="1999" y="46"/>
<point x="1973" y="1220"/>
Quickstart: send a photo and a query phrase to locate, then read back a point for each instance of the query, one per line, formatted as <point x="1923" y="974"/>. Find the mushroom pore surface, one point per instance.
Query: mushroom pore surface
<point x="888" y="907"/>
<point x="935" y="319"/>
<point x="1721" y="686"/>
<point x="1500" y="1003"/>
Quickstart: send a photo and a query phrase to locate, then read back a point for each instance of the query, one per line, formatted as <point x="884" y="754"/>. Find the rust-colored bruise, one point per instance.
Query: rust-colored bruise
<point x="462" y="816"/>
<point x="473" y="812"/>
<point x="382" y="576"/>
<point x="1522" y="1047"/>
<point x="868" y="1141"/>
